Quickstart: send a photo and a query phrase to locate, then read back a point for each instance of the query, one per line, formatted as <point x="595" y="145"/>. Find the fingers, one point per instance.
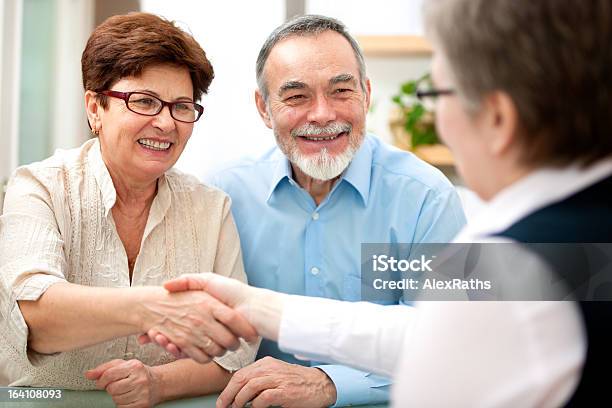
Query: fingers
<point x="144" y="339"/>
<point x="238" y="380"/>
<point x="221" y="336"/>
<point x="196" y="323"/>
<point x="202" y="350"/>
<point x="268" y="398"/>
<point x="175" y="351"/>
<point x="229" y="291"/>
<point x="129" y="383"/>
<point x="197" y="354"/>
<point x="236" y="323"/>
<point x="193" y="344"/>
<point x="126" y="395"/>
<point x="113" y="374"/>
<point x="177" y="285"/>
<point x="158" y="338"/>
<point x="96" y="372"/>
<point x="164" y="342"/>
<point x="153" y="336"/>
<point x="252" y="389"/>
<point x="120" y="388"/>
<point x="201" y="322"/>
<point x="210" y="347"/>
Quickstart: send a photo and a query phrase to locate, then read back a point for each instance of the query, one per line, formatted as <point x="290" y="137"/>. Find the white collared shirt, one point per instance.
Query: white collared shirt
<point x="537" y="190"/>
<point x="57" y="226"/>
<point x="472" y="354"/>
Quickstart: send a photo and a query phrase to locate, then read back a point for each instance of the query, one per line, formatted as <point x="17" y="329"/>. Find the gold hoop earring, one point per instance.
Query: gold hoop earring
<point x="95" y="131"/>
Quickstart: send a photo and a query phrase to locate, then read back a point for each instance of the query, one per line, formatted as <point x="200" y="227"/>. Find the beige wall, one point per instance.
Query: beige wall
<point x="107" y="8"/>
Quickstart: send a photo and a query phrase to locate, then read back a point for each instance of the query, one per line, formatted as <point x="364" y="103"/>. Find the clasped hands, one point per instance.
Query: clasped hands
<point x="213" y="325"/>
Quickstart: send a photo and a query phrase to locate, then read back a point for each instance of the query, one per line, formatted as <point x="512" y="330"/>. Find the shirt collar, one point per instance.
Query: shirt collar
<point x="281" y="171"/>
<point x="102" y="176"/>
<point x="357" y="174"/>
<point x="535" y="191"/>
<point x="160" y="204"/>
<point x="359" y="171"/>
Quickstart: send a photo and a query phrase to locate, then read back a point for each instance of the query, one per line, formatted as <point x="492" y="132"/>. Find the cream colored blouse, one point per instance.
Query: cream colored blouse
<point x="57" y="226"/>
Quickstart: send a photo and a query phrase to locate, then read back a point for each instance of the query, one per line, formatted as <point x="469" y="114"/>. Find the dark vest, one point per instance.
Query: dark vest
<point x="584" y="217"/>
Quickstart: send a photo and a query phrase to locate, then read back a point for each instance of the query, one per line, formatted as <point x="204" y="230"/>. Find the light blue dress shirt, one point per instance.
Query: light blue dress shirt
<point x="291" y="245"/>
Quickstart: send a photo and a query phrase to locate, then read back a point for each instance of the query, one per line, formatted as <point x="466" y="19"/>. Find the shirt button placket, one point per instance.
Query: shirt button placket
<point x="313" y="257"/>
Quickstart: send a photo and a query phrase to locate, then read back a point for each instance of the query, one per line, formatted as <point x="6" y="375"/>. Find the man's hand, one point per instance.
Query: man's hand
<point x="130" y="383"/>
<point x="271" y="382"/>
<point x="196" y="324"/>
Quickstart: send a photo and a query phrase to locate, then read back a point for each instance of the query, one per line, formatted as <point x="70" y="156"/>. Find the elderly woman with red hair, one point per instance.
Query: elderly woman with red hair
<point x="88" y="235"/>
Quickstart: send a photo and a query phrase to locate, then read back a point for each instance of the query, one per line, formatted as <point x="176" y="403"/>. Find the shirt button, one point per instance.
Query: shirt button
<point x="128" y="356"/>
<point x="315" y="216"/>
<point x="314" y="270"/>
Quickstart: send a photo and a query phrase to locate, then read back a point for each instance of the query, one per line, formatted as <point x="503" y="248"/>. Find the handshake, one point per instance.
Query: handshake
<point x="226" y="310"/>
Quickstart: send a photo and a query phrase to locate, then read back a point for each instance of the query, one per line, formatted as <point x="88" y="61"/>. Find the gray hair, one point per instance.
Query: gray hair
<point x="302" y="26"/>
<point x="551" y="57"/>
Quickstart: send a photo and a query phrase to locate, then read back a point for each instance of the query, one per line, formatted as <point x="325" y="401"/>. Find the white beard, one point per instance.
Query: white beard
<point x="323" y="166"/>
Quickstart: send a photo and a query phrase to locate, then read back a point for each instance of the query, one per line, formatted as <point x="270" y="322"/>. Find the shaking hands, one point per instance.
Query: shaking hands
<point x="226" y="311"/>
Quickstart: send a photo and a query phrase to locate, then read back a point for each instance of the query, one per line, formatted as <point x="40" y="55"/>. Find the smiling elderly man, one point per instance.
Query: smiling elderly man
<point x="304" y="208"/>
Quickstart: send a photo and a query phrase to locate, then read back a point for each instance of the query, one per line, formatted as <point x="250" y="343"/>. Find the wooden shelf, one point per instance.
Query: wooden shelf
<point x="394" y="45"/>
<point x="438" y="155"/>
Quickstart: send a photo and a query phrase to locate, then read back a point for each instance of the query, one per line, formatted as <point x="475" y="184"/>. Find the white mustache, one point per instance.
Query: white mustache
<point x="333" y="128"/>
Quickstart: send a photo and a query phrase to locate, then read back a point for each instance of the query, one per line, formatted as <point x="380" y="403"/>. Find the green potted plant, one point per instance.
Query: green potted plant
<point x="418" y="122"/>
<point x="413" y="124"/>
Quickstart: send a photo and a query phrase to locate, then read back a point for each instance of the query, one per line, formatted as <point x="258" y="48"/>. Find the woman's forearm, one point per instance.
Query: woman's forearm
<point x="69" y="316"/>
<point x="187" y="378"/>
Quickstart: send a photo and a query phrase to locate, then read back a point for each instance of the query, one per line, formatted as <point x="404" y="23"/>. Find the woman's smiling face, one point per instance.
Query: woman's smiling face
<point x="142" y="148"/>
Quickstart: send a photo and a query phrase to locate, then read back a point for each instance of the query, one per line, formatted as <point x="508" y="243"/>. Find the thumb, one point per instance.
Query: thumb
<point x="227" y="290"/>
<point x="93" y="374"/>
<point x="144" y="339"/>
<point x="193" y="281"/>
<point x="97" y="372"/>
